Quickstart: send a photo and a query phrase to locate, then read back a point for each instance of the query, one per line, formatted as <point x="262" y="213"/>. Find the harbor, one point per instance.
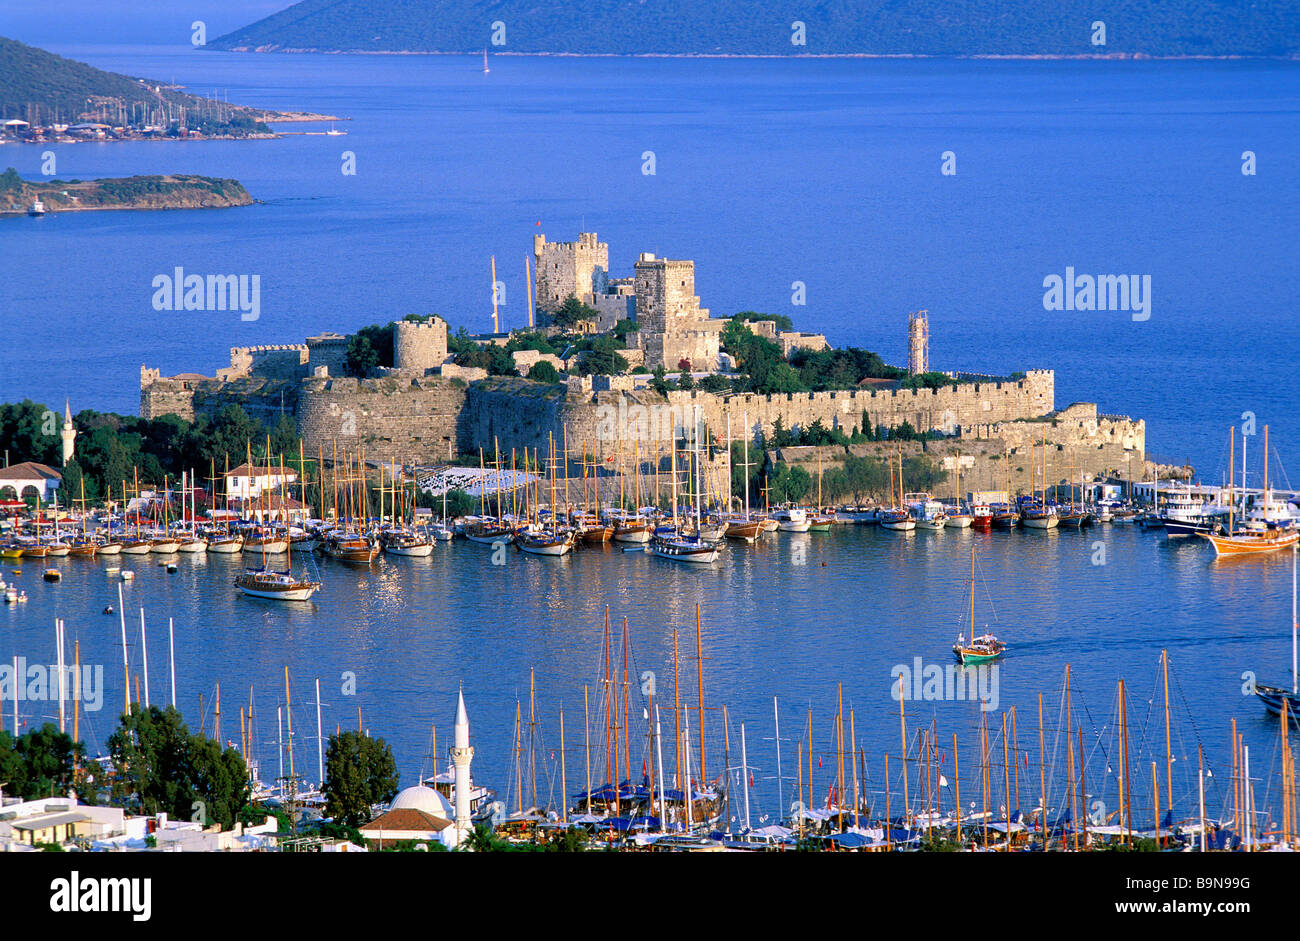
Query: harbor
<point x="532" y="633"/>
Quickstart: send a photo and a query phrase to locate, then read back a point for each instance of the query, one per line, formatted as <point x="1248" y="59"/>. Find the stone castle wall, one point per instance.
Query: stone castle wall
<point x="393" y="419"/>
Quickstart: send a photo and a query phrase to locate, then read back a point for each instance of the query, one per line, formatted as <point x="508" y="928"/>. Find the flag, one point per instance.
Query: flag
<point x="943" y="782"/>
<point x="751" y="779"/>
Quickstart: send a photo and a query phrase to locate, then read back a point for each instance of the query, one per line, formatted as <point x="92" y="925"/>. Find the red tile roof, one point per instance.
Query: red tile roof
<point x="406" y="818"/>
<point x="29" y="470"/>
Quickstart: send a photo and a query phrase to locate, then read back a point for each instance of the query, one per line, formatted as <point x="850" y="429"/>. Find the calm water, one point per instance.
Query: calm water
<point x="790" y="617"/>
<point x="767" y="172"/>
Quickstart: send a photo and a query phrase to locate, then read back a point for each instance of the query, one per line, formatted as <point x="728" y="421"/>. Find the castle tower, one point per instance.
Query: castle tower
<point x="578" y="268"/>
<point x="665" y="295"/>
<point x="461" y="756"/>
<point x="918" y="342"/>
<point x="69" y="433"/>
<point x="419" y="346"/>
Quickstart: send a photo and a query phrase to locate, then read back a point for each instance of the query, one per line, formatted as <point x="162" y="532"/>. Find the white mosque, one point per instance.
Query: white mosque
<point x="425" y="813"/>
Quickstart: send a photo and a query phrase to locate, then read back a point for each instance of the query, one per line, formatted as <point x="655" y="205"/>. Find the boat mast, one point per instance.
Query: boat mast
<point x="699" y="653"/>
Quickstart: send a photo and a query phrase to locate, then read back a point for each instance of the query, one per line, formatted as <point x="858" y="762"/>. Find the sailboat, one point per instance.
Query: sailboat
<point x="1237" y="542"/>
<point x="746" y="527"/>
<point x="538" y="539"/>
<point x="265" y="582"/>
<point x="1275" y="698"/>
<point x="486" y="70"/>
<point x="401" y="539"/>
<point x="979" y="649"/>
<point x="1040" y="515"/>
<point x="959" y="517"/>
<point x="819" y="521"/>
<point x="896" y="518"/>
<point x="226" y="542"/>
<point x="677" y="545"/>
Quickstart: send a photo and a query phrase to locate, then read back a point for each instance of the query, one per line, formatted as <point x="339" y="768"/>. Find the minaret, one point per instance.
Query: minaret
<point x="461" y="756"/>
<point x="69" y="433"/>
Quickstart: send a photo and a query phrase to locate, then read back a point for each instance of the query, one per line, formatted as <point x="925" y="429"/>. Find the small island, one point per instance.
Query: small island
<point x="173" y="191"/>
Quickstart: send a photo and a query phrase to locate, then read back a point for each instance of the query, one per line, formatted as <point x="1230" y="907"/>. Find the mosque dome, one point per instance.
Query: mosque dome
<point x="423" y="798"/>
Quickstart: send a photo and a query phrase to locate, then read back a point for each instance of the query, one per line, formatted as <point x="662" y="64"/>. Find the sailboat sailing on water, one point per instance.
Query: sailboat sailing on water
<point x="979" y="649"/>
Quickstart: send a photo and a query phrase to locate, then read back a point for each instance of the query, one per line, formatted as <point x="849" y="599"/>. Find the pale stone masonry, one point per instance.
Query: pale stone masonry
<point x="562" y="269"/>
<point x="419" y="347"/>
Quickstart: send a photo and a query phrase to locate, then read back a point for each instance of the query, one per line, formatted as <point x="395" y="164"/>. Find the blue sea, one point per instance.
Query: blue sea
<point x="767" y="172"/>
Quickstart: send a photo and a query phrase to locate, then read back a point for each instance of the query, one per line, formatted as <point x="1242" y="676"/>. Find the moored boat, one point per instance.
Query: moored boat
<point x="279" y="586"/>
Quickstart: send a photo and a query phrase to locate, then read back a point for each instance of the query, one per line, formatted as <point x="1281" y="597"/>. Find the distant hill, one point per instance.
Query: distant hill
<point x="764" y="27"/>
<point x="176" y="191"/>
<point x="40" y="87"/>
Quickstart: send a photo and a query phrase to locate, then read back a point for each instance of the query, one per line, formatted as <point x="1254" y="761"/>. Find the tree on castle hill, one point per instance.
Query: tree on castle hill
<point x="359" y="773"/>
<point x="158" y="766"/>
<point x="602" y="359"/>
<point x="572" y="312"/>
<point x="840" y="369"/>
<point x="542" y="371"/>
<point x="760" y="361"/>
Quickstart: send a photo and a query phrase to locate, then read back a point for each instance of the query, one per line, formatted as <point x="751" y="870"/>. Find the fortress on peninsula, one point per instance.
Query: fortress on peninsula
<point x="426" y="409"/>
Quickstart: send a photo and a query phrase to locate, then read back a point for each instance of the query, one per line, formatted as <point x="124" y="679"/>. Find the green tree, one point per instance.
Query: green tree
<point x="50" y="758"/>
<point x="543" y="371"/>
<point x="219" y="779"/>
<point x="158" y="766"/>
<point x="359" y="773"/>
<point x="572" y="312"/>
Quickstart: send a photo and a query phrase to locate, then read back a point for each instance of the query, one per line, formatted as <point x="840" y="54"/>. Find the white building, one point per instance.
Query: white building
<point x="246" y="482"/>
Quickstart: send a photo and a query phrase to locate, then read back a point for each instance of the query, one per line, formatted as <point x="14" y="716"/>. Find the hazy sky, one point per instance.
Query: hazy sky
<point x="125" y="22"/>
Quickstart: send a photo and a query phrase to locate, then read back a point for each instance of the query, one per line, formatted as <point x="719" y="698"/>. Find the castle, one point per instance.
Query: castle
<point x="425" y="408"/>
<point x="673" y="330"/>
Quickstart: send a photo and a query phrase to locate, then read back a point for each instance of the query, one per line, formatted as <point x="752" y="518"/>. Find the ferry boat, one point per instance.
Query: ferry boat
<point x="1185" y="515"/>
<point x="37" y="208"/>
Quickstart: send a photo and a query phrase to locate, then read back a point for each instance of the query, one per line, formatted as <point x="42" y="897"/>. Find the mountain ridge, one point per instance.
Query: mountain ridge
<point x="986" y="28"/>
